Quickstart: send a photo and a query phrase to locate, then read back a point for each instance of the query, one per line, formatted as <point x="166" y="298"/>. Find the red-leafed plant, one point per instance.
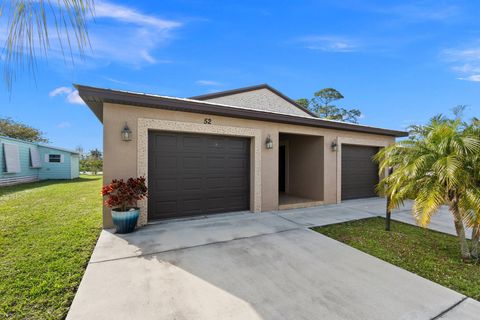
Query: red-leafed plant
<point x="124" y="194"/>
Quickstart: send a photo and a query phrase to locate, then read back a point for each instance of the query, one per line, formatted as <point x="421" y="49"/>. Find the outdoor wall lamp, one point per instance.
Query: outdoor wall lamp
<point x="334" y="146"/>
<point x="126" y="133"/>
<point x="269" y="143"/>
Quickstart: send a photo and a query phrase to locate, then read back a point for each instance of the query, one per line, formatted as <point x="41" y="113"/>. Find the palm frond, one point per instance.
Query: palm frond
<point x="428" y="201"/>
<point x="442" y="162"/>
<point x="28" y="34"/>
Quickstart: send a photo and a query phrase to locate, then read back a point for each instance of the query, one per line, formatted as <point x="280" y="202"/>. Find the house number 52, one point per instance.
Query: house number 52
<point x="207" y="121"/>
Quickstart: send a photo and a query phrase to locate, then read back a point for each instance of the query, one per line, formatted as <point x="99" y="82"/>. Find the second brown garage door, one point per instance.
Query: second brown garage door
<point x="194" y="174"/>
<point x="359" y="172"/>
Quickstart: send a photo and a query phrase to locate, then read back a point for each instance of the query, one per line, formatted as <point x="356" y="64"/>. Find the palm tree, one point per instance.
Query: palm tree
<point x="435" y="168"/>
<point x="473" y="217"/>
<point x="29" y="27"/>
<point x="95" y="153"/>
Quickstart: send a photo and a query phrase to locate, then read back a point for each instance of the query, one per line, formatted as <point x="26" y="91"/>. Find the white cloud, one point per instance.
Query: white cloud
<point x="473" y="77"/>
<point x="71" y="96"/>
<point x="60" y="91"/>
<point x="408" y="11"/>
<point x="115" y="80"/>
<point x="64" y="125"/>
<point x="74" y="98"/>
<point x="467" y="68"/>
<point x="118" y="34"/>
<point x="420" y="12"/>
<point x="105" y="9"/>
<point x="125" y="35"/>
<point x="329" y="43"/>
<point x="208" y="83"/>
<point x="466" y="54"/>
<point x="465" y="62"/>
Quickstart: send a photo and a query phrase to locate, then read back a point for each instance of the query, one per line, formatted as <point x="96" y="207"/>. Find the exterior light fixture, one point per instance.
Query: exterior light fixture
<point x="334" y="145"/>
<point x="126" y="133"/>
<point x="269" y="143"/>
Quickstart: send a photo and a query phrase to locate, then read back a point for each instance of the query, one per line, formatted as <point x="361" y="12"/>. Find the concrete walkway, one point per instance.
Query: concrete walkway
<point x="255" y="266"/>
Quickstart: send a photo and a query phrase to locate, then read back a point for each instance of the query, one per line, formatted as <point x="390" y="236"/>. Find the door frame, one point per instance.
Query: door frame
<point x="359" y="142"/>
<point x="144" y="125"/>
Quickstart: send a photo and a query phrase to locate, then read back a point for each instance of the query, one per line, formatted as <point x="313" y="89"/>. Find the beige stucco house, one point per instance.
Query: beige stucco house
<point x="246" y="149"/>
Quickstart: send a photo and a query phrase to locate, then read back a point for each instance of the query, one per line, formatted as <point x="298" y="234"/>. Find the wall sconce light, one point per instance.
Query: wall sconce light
<point x="126" y="133"/>
<point x="269" y="143"/>
<point x="334" y="146"/>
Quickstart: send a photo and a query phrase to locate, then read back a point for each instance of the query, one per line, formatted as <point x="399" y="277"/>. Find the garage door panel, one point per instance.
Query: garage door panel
<point x="191" y="206"/>
<point x="164" y="207"/>
<point x="166" y="141"/>
<point x="236" y="163"/>
<point x="190" y="144"/>
<point x="168" y="184"/>
<point x="165" y="162"/>
<point x="215" y="203"/>
<point x="191" y="162"/>
<point x="359" y="172"/>
<point x="191" y="184"/>
<point x="216" y="144"/>
<point x="239" y="146"/>
<point x="197" y="174"/>
<point x="215" y="162"/>
<point x="238" y="182"/>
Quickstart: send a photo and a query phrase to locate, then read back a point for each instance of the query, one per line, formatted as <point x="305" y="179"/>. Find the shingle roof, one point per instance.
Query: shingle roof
<point x="252" y="88"/>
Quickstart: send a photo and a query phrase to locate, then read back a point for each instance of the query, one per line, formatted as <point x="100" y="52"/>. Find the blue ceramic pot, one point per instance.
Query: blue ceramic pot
<point x="125" y="221"/>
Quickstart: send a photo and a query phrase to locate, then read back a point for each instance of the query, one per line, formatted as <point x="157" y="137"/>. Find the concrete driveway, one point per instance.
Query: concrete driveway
<point x="255" y="266"/>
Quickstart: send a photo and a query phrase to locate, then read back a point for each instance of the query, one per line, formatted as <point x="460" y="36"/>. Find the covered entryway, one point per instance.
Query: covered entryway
<point x="197" y="174"/>
<point x="300" y="171"/>
<point x="359" y="172"/>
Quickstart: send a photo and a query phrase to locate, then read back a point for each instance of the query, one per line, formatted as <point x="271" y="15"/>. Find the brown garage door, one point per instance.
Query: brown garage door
<point x="359" y="172"/>
<point x="193" y="174"/>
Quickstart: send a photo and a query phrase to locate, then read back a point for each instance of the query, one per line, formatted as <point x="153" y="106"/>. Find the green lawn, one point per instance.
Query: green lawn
<point x="432" y="255"/>
<point x="47" y="233"/>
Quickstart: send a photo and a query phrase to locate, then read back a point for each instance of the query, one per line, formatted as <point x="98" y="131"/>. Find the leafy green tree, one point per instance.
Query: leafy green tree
<point x="325" y="96"/>
<point x="435" y="167"/>
<point x="17" y="130"/>
<point x="303" y="103"/>
<point x="84" y="166"/>
<point x="29" y="30"/>
<point x="93" y="162"/>
<point x="321" y="105"/>
<point x="95" y="165"/>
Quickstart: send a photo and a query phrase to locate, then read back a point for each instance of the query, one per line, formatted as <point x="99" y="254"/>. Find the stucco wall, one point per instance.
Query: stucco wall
<point x="261" y="99"/>
<point x="120" y="157"/>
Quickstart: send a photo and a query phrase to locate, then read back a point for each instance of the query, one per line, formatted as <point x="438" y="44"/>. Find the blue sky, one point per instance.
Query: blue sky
<point x="399" y="62"/>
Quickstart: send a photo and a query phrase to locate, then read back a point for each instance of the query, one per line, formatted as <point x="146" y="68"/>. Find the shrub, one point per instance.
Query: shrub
<point x="124" y="194"/>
